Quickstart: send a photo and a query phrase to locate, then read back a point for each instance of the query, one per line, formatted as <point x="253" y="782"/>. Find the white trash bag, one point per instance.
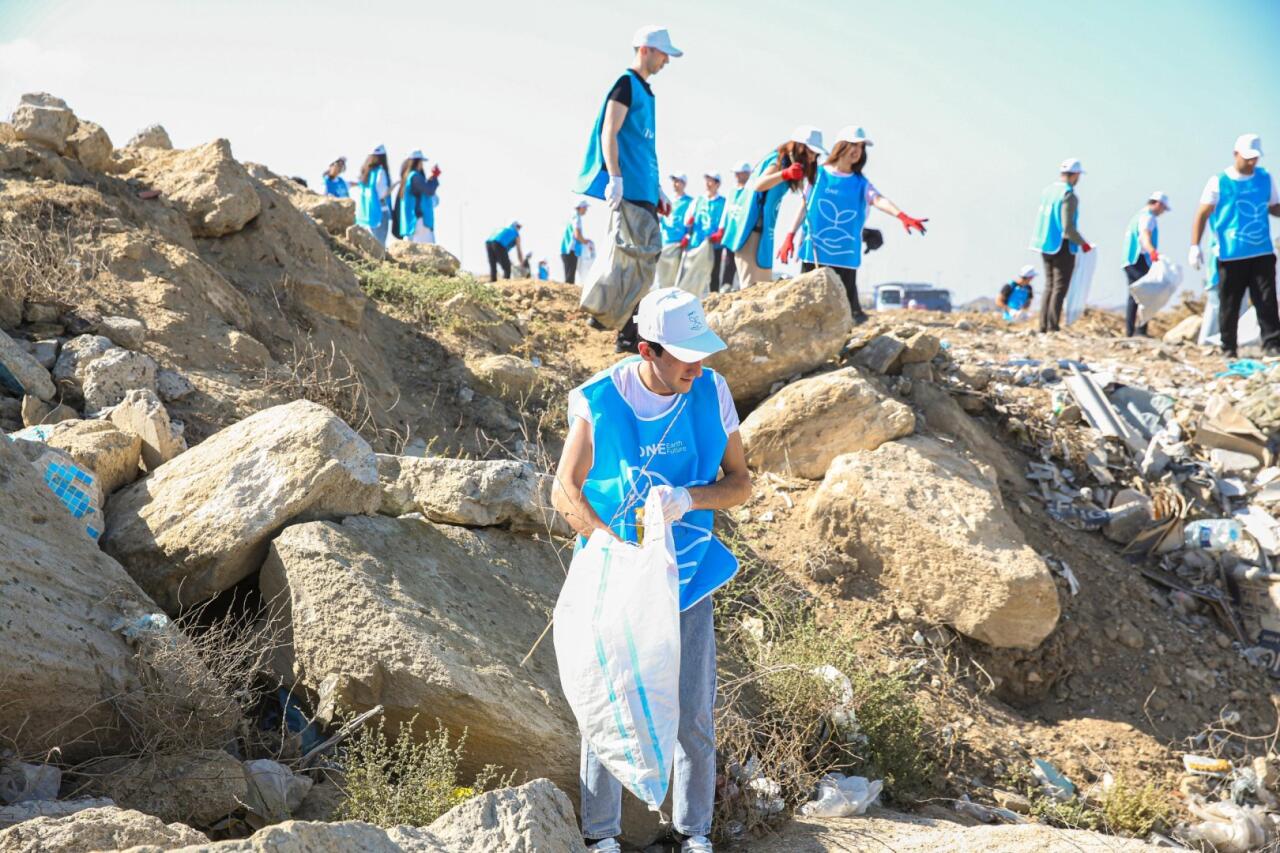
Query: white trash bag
<point x="1078" y="288"/>
<point x="1154" y="290"/>
<point x="617" y="640"/>
<point x="842" y="796"/>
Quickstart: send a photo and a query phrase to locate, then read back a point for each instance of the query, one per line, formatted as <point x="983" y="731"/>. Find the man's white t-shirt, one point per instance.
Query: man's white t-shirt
<point x="1210" y="194"/>
<point x="648" y="405"/>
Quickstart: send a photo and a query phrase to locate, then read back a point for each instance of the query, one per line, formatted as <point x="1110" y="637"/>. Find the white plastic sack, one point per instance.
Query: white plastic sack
<point x="585" y="260"/>
<point x="617" y="640"/>
<point x="1078" y="289"/>
<point x="695" y="269"/>
<point x="842" y="796"/>
<point x="1248" y="332"/>
<point x="1154" y="290"/>
<point x="1228" y="827"/>
<point x="668" y="265"/>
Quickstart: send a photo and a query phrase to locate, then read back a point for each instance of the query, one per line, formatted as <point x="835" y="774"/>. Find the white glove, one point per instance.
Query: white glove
<point x="675" y="501"/>
<point x="613" y="192"/>
<point x="1195" y="257"/>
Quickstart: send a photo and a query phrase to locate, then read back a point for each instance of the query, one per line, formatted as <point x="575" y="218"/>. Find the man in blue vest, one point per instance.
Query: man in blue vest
<point x="1142" y="241"/>
<point x="621" y="167"/>
<point x="1235" y="204"/>
<point x="661" y="421"/>
<point x="1015" y="297"/>
<point x="673" y="232"/>
<point x="740" y="196"/>
<point x="1057" y="240"/>
<point x="498" y="248"/>
<point x="573" y="242"/>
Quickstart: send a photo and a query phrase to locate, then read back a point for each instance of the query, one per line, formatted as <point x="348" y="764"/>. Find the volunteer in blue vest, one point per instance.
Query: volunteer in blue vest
<point x="748" y="230"/>
<point x="1235" y="204"/>
<point x="415" y="206"/>
<point x="663" y="399"/>
<point x="673" y="227"/>
<point x="705" y="225"/>
<point x="835" y="213"/>
<point x="573" y="242"/>
<point x="498" y="248"/>
<point x="544" y="272"/>
<point x="1015" y="297"/>
<point x="1057" y="240"/>
<point x="621" y="167"/>
<point x="728" y="270"/>
<point x="373" y="194"/>
<point x="334" y="184"/>
<point x="1142" y="240"/>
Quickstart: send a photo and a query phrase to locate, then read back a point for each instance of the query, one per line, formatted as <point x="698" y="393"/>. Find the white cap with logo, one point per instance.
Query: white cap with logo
<point x="1249" y="146"/>
<point x="809" y="135"/>
<point x="679" y="176"/>
<point x="1162" y="198"/>
<point x="674" y="318"/>
<point x="713" y="175"/>
<point x="854" y="134"/>
<point x="744" y="166"/>
<point x="381" y="149"/>
<point x="1027" y="272"/>
<point x="657" y="38"/>
<point x="1071" y="166"/>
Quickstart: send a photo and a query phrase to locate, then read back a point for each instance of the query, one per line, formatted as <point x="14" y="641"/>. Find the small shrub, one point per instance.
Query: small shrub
<point x="406" y="780"/>
<point x="422" y="294"/>
<point x="1129" y="810"/>
<point x="43" y="258"/>
<point x="328" y="378"/>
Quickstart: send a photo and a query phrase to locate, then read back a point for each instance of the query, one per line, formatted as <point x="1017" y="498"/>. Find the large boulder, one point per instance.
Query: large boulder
<point x="207" y="184"/>
<point x="933" y="525"/>
<point x="533" y="817"/>
<point x="808" y="423"/>
<point x="942" y="412"/>
<point x="506" y="375"/>
<point x="107" y="379"/>
<point x="91" y="146"/>
<point x="44" y="120"/>
<point x="105" y="828"/>
<point x="74" y="358"/>
<point x="61" y="656"/>
<point x="201" y="522"/>
<point x="142" y="415"/>
<point x="363" y="241"/>
<point x="469" y="492"/>
<point x="112" y="455"/>
<point x="21" y="373"/>
<point x="777" y="330"/>
<point x="199" y="788"/>
<point x="429" y="621"/>
<point x="152" y="136"/>
<point x="427" y="258"/>
<point x="335" y="215"/>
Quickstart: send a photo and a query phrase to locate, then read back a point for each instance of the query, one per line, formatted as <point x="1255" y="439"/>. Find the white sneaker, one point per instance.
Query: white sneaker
<point x="696" y="844"/>
<point x="608" y="845"/>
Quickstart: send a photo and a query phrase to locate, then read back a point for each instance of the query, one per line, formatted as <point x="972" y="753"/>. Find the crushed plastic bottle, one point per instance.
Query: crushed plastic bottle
<point x="1211" y="534"/>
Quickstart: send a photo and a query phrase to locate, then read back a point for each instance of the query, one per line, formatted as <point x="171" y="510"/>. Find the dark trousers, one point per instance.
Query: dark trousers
<point x="1133" y="272"/>
<point x="1257" y="277"/>
<point x="715" y="269"/>
<point x="728" y="267"/>
<point x="570" y="266"/>
<point x="849" y="278"/>
<point x="1058" y="268"/>
<point x="499" y="256"/>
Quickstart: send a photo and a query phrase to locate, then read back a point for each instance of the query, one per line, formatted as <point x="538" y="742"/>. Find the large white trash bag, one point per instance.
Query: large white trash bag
<point x="1154" y="290"/>
<point x="695" y="269"/>
<point x="1078" y="289"/>
<point x="617" y="639"/>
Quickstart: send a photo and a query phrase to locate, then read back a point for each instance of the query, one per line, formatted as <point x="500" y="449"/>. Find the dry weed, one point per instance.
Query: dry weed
<point x="45" y="257"/>
<point x="328" y="378"/>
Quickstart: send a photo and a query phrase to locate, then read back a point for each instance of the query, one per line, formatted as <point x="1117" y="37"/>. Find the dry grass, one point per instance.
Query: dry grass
<point x="328" y="378"/>
<point x="45" y="257"/>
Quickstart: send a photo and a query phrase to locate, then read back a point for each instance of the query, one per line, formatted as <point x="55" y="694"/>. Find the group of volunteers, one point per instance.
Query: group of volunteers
<point x="1234" y="204"/>
<point x="404" y="207"/>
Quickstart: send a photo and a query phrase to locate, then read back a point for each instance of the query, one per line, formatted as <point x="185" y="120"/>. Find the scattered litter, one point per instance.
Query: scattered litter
<point x="1211" y="534"/>
<point x="842" y="796"/>
<point x="987" y="814"/>
<point x="1051" y="779"/>
<point x="1245" y="367"/>
<point x="146" y="625"/>
<point x="1203" y="765"/>
<point x="274" y="791"/>
<point x="1229" y="827"/>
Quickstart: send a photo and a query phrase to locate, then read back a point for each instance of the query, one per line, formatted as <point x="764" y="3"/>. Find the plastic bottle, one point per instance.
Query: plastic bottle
<point x="1211" y="534"/>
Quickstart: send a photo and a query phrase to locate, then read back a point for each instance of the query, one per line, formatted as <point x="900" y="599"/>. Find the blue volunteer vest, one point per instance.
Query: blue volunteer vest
<point x="1049" y="225"/>
<point x="673" y="225"/>
<point x="684" y="447"/>
<point x="504" y="237"/>
<point x="543" y="275"/>
<point x="1019" y="297"/>
<point x="707" y="214"/>
<point x="368" y="205"/>
<point x="834" y="220"/>
<point x="742" y="219"/>
<point x="1133" y="243"/>
<point x="637" y="151"/>
<point x="568" y="243"/>
<point x="336" y="187"/>
<point x="1240" y="218"/>
<point x="414" y="207"/>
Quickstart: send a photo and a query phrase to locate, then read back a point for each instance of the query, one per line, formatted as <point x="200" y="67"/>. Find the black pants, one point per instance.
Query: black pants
<point x="1133" y="272"/>
<point x="728" y="269"/>
<point x="715" y="269"/>
<point x="499" y="256"/>
<point x="570" y="266"/>
<point x="1058" y="268"/>
<point x="849" y="278"/>
<point x="1257" y="277"/>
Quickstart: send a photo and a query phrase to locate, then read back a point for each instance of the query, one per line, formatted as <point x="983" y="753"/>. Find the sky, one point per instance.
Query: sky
<point x="971" y="105"/>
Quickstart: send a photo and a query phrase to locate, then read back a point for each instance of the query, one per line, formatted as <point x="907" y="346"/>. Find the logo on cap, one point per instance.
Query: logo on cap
<point x="695" y="321"/>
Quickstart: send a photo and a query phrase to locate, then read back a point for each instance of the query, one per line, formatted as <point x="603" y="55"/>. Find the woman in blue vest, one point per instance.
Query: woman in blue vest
<point x="1235" y="204"/>
<point x="835" y="213"/>
<point x="673" y="227"/>
<point x="700" y="271"/>
<point x="415" y="207"/>
<point x="498" y="248"/>
<point x="1141" y="242"/>
<point x="334" y="184"/>
<point x="1057" y="240"/>
<point x="573" y="242"/>
<point x="748" y="230"/>
<point x="373" y="194"/>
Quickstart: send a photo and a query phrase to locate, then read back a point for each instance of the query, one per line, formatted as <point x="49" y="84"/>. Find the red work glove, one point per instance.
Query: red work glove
<point x="717" y="235"/>
<point x="1086" y="247"/>
<point x="794" y="172"/>
<point x="435" y="171"/>
<point x="788" y="247"/>
<point x="1155" y="256"/>
<point x="664" y="207"/>
<point x="684" y="242"/>
<point x="909" y="223"/>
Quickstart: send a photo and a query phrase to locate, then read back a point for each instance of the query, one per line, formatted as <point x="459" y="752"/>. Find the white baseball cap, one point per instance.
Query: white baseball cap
<point x="744" y="166"/>
<point x="657" y="38"/>
<point x="715" y="175"/>
<point x="581" y="204"/>
<point x="1249" y="146"/>
<point x="680" y="176"/>
<point x="381" y="149"/>
<point x="674" y="318"/>
<point x="1071" y="166"/>
<point x="854" y="134"/>
<point x="416" y="154"/>
<point x="515" y="224"/>
<point x="1162" y="198"/>
<point x="1027" y="272"/>
<point x="810" y="136"/>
